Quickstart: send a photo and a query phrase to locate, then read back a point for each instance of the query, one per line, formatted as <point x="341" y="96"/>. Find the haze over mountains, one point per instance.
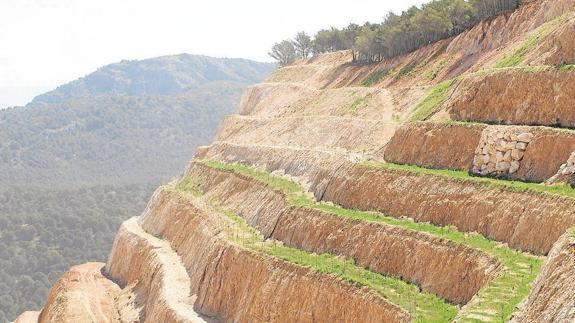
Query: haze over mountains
<point x="78" y="160"/>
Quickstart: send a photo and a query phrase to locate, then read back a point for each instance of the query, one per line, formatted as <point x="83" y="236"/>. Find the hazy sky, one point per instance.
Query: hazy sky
<point x="44" y="43"/>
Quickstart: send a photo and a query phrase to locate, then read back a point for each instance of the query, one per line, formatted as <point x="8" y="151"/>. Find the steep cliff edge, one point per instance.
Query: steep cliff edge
<point x="330" y="198"/>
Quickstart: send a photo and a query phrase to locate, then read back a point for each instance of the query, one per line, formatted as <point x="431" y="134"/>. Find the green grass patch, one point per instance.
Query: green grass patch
<point x="513" y="186"/>
<point x="409" y="69"/>
<point x="274" y="182"/>
<point x="565" y="67"/>
<point x="187" y="185"/>
<point x="374" y="77"/>
<point x="424" y="307"/>
<point x="436" y="97"/>
<point x="360" y="102"/>
<point x="497" y="300"/>
<point x="518" y="56"/>
<point x="432" y="74"/>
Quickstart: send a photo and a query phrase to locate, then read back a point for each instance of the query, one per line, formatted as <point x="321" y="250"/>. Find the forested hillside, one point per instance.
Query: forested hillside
<point x="110" y="139"/>
<point x="43" y="231"/>
<point x="79" y="160"/>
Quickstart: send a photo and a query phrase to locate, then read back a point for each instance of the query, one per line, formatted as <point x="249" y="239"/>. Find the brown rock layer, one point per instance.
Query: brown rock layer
<point x="416" y="257"/>
<point x="516" y="96"/>
<point x="434" y="145"/>
<point x="162" y="284"/>
<point x="82" y="294"/>
<point x="552" y="298"/>
<point x="527" y="221"/>
<point x="239" y="285"/>
<point x="452" y="146"/>
<point x="556" y="48"/>
<point x="548" y="150"/>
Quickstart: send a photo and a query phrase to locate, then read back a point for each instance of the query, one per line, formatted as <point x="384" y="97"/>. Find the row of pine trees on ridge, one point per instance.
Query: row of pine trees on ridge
<point x="397" y="34"/>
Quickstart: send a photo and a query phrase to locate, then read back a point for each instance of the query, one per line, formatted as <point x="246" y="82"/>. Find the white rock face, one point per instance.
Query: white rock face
<point x="501" y="150"/>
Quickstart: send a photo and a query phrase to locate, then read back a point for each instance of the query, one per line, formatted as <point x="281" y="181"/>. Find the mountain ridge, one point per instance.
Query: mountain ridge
<point x="167" y="75"/>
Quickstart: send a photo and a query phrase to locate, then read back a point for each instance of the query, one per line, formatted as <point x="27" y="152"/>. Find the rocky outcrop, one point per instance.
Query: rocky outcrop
<point x="507" y="96"/>
<point x="161" y="283"/>
<point x="434" y="145"/>
<point x="392" y="251"/>
<point x="241" y="285"/>
<point x="552" y="298"/>
<point x="82" y="294"/>
<point x="315" y="122"/>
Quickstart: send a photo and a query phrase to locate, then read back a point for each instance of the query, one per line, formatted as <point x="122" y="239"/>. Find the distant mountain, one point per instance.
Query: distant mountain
<point x="77" y="161"/>
<point x="110" y="139"/>
<point x="164" y="75"/>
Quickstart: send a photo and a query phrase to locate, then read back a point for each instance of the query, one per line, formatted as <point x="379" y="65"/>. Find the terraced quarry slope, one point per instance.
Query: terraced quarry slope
<point x="432" y="187"/>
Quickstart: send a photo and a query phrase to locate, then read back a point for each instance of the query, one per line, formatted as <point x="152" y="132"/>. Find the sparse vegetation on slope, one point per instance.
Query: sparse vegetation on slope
<point x="514" y="186"/>
<point x="435" y="98"/>
<point x="536" y="36"/>
<point x="357" y="103"/>
<point x="375" y="77"/>
<point x="498" y="299"/>
<point x="424" y="307"/>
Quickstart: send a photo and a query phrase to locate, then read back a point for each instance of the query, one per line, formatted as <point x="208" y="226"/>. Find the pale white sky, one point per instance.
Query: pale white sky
<point x="44" y="43"/>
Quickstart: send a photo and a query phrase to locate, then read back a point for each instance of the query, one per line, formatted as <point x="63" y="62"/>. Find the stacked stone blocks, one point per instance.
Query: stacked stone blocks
<point x="500" y="150"/>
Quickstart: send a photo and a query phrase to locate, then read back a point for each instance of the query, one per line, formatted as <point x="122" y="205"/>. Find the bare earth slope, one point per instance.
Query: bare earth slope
<point x="331" y="199"/>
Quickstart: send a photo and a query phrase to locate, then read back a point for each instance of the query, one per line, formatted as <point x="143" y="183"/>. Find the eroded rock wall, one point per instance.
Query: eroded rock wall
<point x="236" y="284"/>
<point x="392" y="251"/>
<point x="552" y="298"/>
<point x="530" y="222"/>
<point x="161" y="282"/>
<point x="82" y="294"/>
<point x="434" y="145"/>
<point x="532" y="154"/>
<point x="515" y="96"/>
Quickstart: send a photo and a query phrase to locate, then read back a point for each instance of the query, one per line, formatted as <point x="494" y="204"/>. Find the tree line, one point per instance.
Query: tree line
<point x="397" y="34"/>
